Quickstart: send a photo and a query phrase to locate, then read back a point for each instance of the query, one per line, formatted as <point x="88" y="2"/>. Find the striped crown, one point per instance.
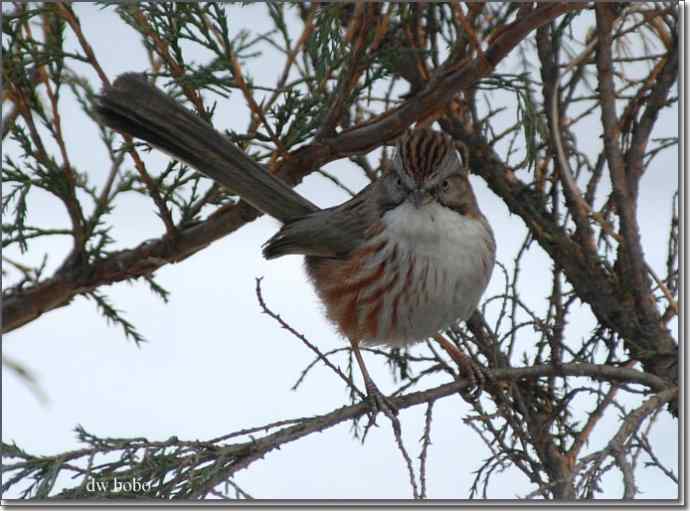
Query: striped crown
<point x="421" y="152"/>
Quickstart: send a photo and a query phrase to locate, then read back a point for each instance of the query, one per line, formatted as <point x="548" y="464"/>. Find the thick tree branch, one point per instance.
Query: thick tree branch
<point x="662" y="83"/>
<point x="652" y="337"/>
<point x="23" y="305"/>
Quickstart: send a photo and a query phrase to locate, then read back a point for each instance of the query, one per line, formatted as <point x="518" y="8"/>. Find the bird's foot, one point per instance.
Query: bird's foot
<point x="379" y="403"/>
<point x="474" y="373"/>
<point x="468" y="368"/>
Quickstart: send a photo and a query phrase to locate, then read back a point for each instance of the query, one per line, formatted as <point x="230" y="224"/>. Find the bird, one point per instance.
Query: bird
<point x="408" y="256"/>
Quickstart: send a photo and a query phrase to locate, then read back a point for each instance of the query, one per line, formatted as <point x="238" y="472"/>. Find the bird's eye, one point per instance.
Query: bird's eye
<point x="445" y="185"/>
<point x="399" y="182"/>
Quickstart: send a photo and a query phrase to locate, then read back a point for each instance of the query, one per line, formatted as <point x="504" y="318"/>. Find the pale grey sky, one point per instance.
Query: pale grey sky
<point x="215" y="363"/>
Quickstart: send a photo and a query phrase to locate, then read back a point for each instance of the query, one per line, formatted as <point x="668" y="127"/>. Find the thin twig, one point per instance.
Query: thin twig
<point x="283" y="324"/>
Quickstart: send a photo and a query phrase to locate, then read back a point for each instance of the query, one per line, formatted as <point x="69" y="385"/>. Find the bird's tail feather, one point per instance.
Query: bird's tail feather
<point x="135" y="107"/>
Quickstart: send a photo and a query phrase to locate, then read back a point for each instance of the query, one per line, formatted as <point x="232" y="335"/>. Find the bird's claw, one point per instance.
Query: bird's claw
<point x="377" y="402"/>
<point x="476" y="376"/>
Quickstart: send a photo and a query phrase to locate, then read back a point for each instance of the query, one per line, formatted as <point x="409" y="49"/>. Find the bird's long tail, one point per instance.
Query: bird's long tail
<point x="135" y="107"/>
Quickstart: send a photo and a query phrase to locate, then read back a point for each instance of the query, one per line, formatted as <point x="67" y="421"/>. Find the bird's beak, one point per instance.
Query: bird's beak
<point x="420" y="198"/>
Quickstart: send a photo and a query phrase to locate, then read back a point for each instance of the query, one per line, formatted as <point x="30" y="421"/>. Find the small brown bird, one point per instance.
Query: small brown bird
<point x="408" y="256"/>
